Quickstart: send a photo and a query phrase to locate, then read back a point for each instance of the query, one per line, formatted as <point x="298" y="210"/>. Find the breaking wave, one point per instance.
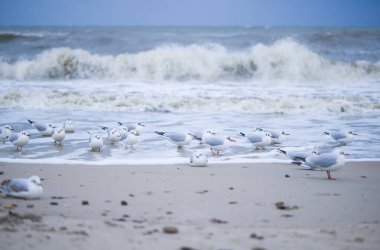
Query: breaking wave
<point x="284" y="60"/>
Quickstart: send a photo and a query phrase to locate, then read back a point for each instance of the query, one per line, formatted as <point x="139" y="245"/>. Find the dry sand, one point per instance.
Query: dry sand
<point x="217" y="207"/>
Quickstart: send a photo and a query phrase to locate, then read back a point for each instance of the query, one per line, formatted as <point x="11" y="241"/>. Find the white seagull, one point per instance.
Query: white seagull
<point x="30" y="188"/>
<point x="130" y="139"/>
<point x="198" y="159"/>
<point x="19" y="139"/>
<point x="138" y="127"/>
<point x="69" y="126"/>
<point x="58" y="135"/>
<point x="217" y="143"/>
<point x="327" y="162"/>
<point x="5" y="132"/>
<point x="259" y="139"/>
<point x="343" y="137"/>
<point x="297" y="155"/>
<point x="178" y="138"/>
<point x="95" y="141"/>
<point x="113" y="134"/>
<point x="44" y="129"/>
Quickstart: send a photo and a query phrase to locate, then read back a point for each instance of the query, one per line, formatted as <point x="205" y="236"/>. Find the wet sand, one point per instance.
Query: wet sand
<point x="230" y="206"/>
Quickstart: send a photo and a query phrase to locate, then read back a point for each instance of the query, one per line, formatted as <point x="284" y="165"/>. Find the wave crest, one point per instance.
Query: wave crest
<point x="284" y="60"/>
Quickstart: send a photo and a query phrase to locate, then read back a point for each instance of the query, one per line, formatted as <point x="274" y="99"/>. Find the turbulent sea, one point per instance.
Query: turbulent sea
<point x="301" y="80"/>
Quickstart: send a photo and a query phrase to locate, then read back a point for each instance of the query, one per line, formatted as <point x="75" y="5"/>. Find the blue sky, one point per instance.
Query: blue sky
<point x="191" y="12"/>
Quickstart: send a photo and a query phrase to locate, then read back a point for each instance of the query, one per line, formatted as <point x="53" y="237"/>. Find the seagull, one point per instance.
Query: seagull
<point x="113" y="134"/>
<point x="327" y="162"/>
<point x="44" y="129"/>
<point x="218" y="144"/>
<point x="297" y="155"/>
<point x="69" y="126"/>
<point x="341" y="136"/>
<point x="58" y="135"/>
<point x="259" y="139"/>
<point x="178" y="138"/>
<point x="123" y="130"/>
<point x="277" y="137"/>
<point x="138" y="127"/>
<point x="201" y="136"/>
<point x="198" y="159"/>
<point x="19" y="139"/>
<point x="95" y="141"/>
<point x="5" y="132"/>
<point x="131" y="138"/>
<point x="30" y="188"/>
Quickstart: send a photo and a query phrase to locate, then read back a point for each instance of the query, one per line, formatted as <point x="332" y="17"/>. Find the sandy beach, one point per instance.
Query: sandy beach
<point x="217" y="207"/>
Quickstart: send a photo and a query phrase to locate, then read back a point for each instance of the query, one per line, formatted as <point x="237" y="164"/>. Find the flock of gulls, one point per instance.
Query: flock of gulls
<point x="129" y="133"/>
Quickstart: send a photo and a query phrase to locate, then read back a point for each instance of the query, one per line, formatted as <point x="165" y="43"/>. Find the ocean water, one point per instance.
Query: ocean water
<point x="301" y="80"/>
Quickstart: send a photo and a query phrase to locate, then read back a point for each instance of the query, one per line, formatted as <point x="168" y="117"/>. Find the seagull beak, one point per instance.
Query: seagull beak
<point x="346" y="154"/>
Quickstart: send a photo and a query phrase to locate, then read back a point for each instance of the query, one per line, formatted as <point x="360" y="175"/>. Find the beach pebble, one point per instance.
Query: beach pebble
<point x="255" y="236"/>
<point x="54" y="203"/>
<point x="170" y="230"/>
<point x="85" y="203"/>
<point x="363" y="176"/>
<point x="359" y="239"/>
<point x="124" y="203"/>
<point x="217" y="221"/>
<point x="281" y="205"/>
<point x="30" y="206"/>
<point x="287" y="176"/>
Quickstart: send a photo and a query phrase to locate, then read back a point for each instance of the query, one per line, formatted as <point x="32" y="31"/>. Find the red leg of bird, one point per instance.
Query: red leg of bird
<point x="329" y="176"/>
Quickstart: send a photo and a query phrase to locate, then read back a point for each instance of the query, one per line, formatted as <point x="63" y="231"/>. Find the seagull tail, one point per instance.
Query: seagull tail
<point x="299" y="158"/>
<point x="241" y="134"/>
<point x="297" y="163"/>
<point x="326" y="133"/>
<point x="159" y="133"/>
<point x="282" y="151"/>
<point x="104" y="128"/>
<point x="120" y="123"/>
<point x="31" y="122"/>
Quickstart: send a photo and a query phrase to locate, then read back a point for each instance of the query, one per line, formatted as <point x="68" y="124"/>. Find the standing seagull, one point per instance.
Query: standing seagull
<point x="258" y="138"/>
<point x="113" y="134"/>
<point x="5" y="132"/>
<point x="130" y="139"/>
<point x="95" y="141"/>
<point x="178" y="138"/>
<point x="19" y="139"/>
<point x="198" y="159"/>
<point x="218" y="144"/>
<point x="277" y="137"/>
<point x="30" y="188"/>
<point x="44" y="129"/>
<point x="58" y="135"/>
<point x="327" y="162"/>
<point x="138" y="127"/>
<point x="297" y="155"/>
<point x="69" y="126"/>
<point x="342" y="137"/>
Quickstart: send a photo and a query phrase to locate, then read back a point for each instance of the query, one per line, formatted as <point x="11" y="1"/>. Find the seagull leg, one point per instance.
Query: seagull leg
<point x="329" y="176"/>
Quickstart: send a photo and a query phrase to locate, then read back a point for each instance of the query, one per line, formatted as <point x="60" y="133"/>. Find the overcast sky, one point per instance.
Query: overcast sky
<point x="191" y="12"/>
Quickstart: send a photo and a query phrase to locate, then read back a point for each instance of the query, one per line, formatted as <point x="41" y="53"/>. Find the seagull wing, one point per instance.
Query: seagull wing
<point x="322" y="161"/>
<point x="214" y="141"/>
<point x="40" y="127"/>
<point x="255" y="138"/>
<point x="176" y="137"/>
<point x="338" y="135"/>
<point x="13" y="137"/>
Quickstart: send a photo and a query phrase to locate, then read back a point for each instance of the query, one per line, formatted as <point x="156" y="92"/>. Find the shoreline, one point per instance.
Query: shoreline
<point x="221" y="206"/>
